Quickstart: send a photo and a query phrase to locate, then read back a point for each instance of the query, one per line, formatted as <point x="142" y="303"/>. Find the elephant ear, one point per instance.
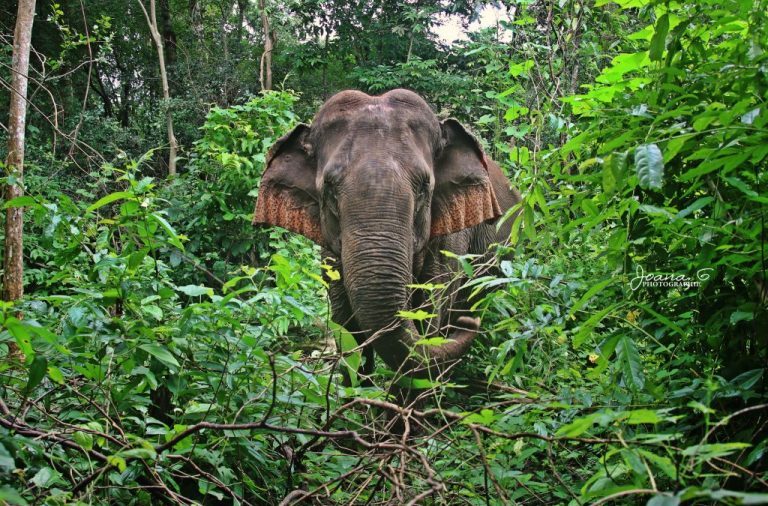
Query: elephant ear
<point x="463" y="195"/>
<point x="288" y="193"/>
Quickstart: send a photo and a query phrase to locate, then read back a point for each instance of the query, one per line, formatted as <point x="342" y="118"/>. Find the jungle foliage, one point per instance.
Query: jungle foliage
<point x="166" y="350"/>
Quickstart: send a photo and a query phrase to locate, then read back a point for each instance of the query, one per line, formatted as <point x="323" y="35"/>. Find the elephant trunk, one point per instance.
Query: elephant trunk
<point x="377" y="264"/>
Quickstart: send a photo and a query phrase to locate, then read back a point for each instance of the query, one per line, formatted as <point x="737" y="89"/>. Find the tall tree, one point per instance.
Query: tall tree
<point x="266" y="57"/>
<point x="151" y="17"/>
<point x="13" y="259"/>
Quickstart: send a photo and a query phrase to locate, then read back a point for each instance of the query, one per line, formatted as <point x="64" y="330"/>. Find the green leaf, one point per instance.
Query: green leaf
<point x="484" y="417"/>
<point x="585" y="330"/>
<point x="430" y="287"/>
<point x="37" y="370"/>
<point x="658" y="42"/>
<point x="136" y="258"/>
<point x="629" y="363"/>
<point x="466" y="265"/>
<point x="161" y="353"/>
<point x="55" y="374"/>
<point x="173" y="238"/>
<point x="726" y="163"/>
<point x="663" y="500"/>
<point x="738" y="316"/>
<point x="418" y="315"/>
<point x="577" y="427"/>
<point x="744" y="498"/>
<point x="117" y="462"/>
<point x="7" y="463"/>
<point x="153" y="311"/>
<point x="710" y="451"/>
<point x="84" y="439"/>
<point x="649" y="164"/>
<point x="757" y="453"/>
<point x="12" y="497"/>
<point x="22" y="335"/>
<point x="139" y="453"/>
<point x="23" y="201"/>
<point x="665" y="464"/>
<point x="609" y="179"/>
<point x="664" y="320"/>
<point x="529" y="229"/>
<point x="617" y="165"/>
<point x="747" y="379"/>
<point x="518" y="69"/>
<point x="698" y="204"/>
<point x="348" y="343"/>
<point x="195" y="290"/>
<point x="593" y="290"/>
<point x="432" y="341"/>
<point x="416" y="383"/>
<point x="640" y="416"/>
<point x="45" y="477"/>
<point x="112" y="197"/>
<point x="746" y="190"/>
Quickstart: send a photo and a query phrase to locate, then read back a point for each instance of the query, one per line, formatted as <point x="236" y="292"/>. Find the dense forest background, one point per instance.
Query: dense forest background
<point x="166" y="351"/>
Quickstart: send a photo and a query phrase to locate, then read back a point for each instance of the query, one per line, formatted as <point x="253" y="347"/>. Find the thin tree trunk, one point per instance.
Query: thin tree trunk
<point x="266" y="57"/>
<point x="225" y="53"/>
<point x="13" y="259"/>
<point x="169" y="35"/>
<point x="157" y="38"/>
<point x="79" y="125"/>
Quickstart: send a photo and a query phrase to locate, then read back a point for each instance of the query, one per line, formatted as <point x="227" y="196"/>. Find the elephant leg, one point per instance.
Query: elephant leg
<point x="368" y="366"/>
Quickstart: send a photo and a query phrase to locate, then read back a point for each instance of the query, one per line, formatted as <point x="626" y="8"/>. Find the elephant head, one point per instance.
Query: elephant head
<point x="373" y="180"/>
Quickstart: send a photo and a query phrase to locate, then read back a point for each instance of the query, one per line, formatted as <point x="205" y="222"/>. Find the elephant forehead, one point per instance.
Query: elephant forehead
<point x="394" y="105"/>
<point x="377" y="108"/>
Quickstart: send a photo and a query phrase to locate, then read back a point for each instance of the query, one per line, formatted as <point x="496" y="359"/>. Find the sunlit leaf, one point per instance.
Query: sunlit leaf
<point x="649" y="164"/>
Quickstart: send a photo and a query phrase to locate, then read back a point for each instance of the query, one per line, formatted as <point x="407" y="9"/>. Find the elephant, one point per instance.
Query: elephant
<point x="383" y="187"/>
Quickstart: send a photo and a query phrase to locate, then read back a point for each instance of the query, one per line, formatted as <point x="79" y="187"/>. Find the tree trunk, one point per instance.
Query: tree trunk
<point x="158" y="40"/>
<point x="169" y="35"/>
<point x="13" y="259"/>
<point x="266" y="57"/>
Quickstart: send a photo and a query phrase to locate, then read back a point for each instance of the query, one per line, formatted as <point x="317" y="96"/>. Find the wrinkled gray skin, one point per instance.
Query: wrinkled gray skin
<point x="383" y="187"/>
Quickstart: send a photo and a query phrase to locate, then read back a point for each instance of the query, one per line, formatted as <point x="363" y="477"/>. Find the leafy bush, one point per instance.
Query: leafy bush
<point x="212" y="203"/>
<point x="120" y="358"/>
<point x="658" y="176"/>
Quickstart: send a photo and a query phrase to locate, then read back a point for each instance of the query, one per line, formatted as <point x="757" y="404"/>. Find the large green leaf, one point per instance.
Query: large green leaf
<point x="629" y="363"/>
<point x="195" y="290"/>
<point x="161" y="353"/>
<point x="11" y="496"/>
<point x="37" y="370"/>
<point x="351" y="359"/>
<point x="23" y="201"/>
<point x="173" y="238"/>
<point x="112" y="197"/>
<point x="649" y="164"/>
<point x="577" y="427"/>
<point x="658" y="41"/>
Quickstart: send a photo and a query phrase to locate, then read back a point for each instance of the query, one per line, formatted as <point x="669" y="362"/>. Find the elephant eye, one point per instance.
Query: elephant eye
<point x="329" y="200"/>
<point x="421" y="194"/>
